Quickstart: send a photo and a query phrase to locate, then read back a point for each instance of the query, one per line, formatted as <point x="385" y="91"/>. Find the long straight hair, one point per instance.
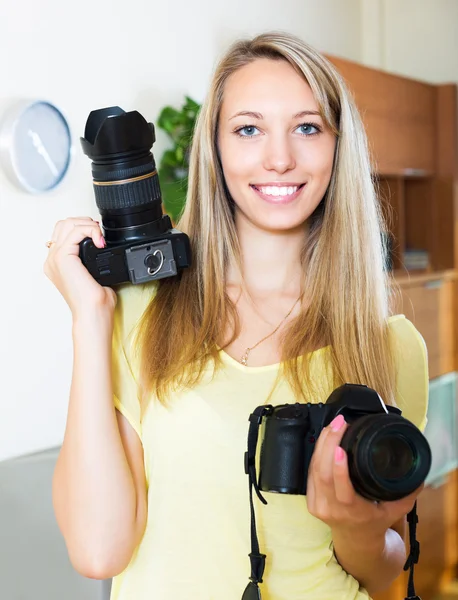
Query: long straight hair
<point x="343" y="254"/>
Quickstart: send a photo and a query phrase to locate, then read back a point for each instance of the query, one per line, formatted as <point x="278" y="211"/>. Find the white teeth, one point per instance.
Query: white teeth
<point x="278" y="191"/>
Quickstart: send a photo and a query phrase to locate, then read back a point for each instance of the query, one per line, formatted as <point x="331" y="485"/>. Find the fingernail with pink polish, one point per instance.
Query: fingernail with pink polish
<point x="339" y="454"/>
<point x="337" y="423"/>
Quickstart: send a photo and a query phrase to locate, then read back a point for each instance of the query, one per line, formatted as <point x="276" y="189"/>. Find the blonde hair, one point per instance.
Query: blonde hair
<point x="342" y="258"/>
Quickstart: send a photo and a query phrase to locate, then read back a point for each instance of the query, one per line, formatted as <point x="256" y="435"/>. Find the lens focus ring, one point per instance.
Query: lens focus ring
<point x="112" y="174"/>
<point x="127" y="195"/>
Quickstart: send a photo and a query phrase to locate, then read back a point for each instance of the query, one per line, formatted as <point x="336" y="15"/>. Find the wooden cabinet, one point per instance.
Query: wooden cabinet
<point x="399" y="115"/>
<point x="412" y="128"/>
<point x="428" y="301"/>
<point x="437" y="529"/>
<point x="445" y="198"/>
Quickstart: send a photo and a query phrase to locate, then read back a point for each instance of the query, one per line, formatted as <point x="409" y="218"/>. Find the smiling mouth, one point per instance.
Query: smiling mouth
<point x="278" y="195"/>
<point x="277" y="191"/>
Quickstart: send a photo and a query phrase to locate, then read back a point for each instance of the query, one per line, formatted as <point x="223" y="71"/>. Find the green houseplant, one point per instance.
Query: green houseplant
<point x="174" y="163"/>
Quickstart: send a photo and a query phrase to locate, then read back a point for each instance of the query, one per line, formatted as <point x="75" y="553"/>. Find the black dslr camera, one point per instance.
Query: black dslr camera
<point x="141" y="243"/>
<point x="388" y="457"/>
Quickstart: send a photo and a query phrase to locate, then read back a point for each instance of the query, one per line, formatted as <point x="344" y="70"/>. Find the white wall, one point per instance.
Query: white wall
<point x="86" y="55"/>
<point x="416" y="38"/>
<point x="422" y="39"/>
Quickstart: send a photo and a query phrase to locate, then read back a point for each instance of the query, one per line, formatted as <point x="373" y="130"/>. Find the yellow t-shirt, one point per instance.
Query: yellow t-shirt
<point x="197" y="538"/>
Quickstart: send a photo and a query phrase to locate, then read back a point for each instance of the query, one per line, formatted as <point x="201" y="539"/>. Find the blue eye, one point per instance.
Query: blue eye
<point x="245" y="127"/>
<point x="309" y="129"/>
<point x="309" y="126"/>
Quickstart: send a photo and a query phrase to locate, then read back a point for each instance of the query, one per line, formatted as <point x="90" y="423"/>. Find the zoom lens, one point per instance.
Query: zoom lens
<point x="126" y="183"/>
<point x="393" y="458"/>
<point x="388" y="457"/>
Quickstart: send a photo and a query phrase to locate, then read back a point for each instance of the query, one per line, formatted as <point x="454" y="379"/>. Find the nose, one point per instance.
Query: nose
<point x="279" y="154"/>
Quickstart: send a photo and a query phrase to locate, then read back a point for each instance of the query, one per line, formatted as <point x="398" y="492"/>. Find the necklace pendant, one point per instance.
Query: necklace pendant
<point x="244" y="358"/>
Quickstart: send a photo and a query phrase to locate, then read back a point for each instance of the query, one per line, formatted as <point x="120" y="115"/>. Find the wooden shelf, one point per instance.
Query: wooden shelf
<point x="419" y="215"/>
<point x="406" y="173"/>
<point x="415" y="277"/>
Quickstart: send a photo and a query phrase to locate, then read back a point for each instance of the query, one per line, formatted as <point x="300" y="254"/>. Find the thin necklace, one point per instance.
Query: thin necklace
<point x="245" y="355"/>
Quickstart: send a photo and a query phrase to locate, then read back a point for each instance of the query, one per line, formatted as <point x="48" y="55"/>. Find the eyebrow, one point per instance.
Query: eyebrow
<point x="255" y="115"/>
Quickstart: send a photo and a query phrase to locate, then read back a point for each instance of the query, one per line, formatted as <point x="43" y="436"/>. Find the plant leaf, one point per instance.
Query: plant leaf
<point x="173" y="167"/>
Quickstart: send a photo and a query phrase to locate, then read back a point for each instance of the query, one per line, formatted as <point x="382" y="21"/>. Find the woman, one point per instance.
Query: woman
<point x="287" y="298"/>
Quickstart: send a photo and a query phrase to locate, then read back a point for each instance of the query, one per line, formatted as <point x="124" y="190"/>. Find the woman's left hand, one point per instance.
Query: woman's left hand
<point x="332" y="498"/>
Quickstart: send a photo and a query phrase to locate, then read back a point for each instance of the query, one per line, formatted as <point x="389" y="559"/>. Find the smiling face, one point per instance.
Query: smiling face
<point x="277" y="155"/>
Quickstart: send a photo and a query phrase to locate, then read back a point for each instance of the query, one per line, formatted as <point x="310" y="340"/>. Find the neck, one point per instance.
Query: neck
<point x="270" y="260"/>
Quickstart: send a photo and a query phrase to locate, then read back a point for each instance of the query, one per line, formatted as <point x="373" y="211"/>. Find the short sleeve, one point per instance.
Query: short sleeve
<point x="412" y="379"/>
<point x="132" y="301"/>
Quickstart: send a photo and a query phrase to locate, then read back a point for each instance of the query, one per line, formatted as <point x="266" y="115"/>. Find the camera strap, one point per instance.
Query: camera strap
<point x="257" y="560"/>
<point x="414" y="555"/>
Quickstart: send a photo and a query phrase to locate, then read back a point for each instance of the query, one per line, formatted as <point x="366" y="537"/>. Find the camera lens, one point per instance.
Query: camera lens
<point x="126" y="184"/>
<point x="388" y="457"/>
<point x="392" y="457"/>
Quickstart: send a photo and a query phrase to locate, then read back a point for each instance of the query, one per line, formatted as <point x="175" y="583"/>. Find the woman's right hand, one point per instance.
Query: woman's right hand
<point x="66" y="271"/>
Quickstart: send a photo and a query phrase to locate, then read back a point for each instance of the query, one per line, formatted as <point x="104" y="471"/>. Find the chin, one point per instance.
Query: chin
<point x="280" y="225"/>
<point x="273" y="220"/>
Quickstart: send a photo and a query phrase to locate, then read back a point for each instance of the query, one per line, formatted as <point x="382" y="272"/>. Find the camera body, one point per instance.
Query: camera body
<point x="139" y="262"/>
<point x="388" y="457"/>
<point x="141" y="243"/>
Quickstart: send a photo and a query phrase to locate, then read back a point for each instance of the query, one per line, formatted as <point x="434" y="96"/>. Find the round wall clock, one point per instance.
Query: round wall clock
<point x="35" y="146"/>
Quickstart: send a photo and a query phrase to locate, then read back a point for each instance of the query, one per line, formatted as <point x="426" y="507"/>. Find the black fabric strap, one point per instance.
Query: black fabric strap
<point x="257" y="560"/>
<point x="414" y="555"/>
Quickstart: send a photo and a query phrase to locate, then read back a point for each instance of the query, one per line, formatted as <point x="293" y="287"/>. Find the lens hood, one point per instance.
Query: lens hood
<point x="112" y="134"/>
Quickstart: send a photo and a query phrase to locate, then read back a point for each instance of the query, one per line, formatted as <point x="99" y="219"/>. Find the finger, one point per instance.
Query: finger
<point x="316" y="456"/>
<point x="320" y="442"/>
<point x="343" y="487"/>
<point x="77" y="219"/>
<point x="70" y="245"/>
<point x="336" y="430"/>
<point x="62" y="228"/>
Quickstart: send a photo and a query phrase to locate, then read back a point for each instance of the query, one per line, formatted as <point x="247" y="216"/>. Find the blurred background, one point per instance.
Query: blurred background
<point x="399" y="57"/>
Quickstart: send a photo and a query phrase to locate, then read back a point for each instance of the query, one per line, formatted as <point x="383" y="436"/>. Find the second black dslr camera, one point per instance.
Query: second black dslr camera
<point x="141" y="243"/>
<point x="388" y="457"/>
